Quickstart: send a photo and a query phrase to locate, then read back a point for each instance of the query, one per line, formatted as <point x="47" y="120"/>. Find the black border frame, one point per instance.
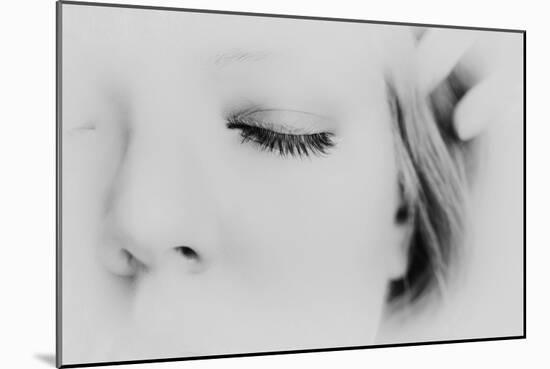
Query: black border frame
<point x="58" y="171"/>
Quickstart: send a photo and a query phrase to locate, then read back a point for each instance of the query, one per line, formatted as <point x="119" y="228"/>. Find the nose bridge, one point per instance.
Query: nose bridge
<point x="160" y="198"/>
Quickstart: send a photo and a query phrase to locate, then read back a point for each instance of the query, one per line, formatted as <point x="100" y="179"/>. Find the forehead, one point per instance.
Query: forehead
<point x="222" y="39"/>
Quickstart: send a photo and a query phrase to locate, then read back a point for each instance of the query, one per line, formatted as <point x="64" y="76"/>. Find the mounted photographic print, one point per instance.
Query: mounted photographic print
<point x="243" y="184"/>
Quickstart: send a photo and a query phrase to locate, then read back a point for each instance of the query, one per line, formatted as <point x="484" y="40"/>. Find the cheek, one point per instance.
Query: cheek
<point x="89" y="161"/>
<point x="316" y="225"/>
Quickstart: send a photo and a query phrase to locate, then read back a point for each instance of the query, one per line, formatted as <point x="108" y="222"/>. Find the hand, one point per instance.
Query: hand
<point x="489" y="63"/>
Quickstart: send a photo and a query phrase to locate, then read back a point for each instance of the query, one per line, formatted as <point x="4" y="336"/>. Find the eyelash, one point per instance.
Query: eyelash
<point x="285" y="144"/>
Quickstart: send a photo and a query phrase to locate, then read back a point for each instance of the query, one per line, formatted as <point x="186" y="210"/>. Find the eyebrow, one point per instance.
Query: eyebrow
<point x="238" y="56"/>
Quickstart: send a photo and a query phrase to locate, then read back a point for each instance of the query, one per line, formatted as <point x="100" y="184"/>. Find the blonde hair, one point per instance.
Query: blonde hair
<point x="433" y="185"/>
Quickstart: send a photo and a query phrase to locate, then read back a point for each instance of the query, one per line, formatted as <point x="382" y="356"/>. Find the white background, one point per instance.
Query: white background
<point x="27" y="192"/>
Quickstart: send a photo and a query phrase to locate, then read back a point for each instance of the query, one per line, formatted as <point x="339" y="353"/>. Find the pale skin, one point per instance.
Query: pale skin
<point x="290" y="252"/>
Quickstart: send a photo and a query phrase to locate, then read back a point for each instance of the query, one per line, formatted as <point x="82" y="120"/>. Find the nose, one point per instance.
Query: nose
<point x="156" y="211"/>
<point x="124" y="257"/>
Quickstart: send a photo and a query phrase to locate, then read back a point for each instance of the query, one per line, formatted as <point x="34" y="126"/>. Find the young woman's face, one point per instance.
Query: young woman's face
<point x="230" y="182"/>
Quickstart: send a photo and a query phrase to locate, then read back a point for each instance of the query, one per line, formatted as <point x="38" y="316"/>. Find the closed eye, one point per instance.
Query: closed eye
<point x="288" y="133"/>
<point x="78" y="128"/>
<point x="283" y="143"/>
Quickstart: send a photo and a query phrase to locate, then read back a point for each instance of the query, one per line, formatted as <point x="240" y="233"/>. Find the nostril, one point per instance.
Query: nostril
<point x="188" y="253"/>
<point x="121" y="262"/>
<point x="133" y="263"/>
<point x="194" y="262"/>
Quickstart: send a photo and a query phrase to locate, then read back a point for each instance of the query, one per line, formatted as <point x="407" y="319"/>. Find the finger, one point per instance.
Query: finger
<point x="486" y="103"/>
<point x="438" y="52"/>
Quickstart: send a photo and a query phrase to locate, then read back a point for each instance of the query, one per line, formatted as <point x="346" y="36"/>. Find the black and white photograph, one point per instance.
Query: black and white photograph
<point x="242" y="184"/>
